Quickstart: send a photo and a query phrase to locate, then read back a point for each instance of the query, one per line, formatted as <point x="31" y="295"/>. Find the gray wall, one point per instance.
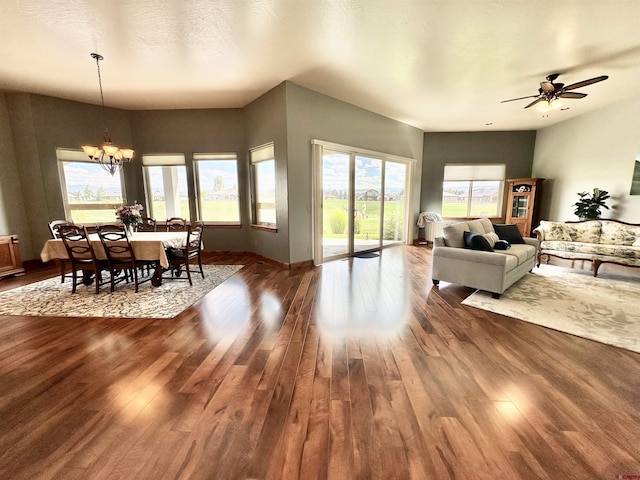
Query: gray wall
<point x="39" y="125"/>
<point x="265" y="122"/>
<point x="514" y="149"/>
<point x="196" y="131"/>
<point x="13" y="214"/>
<point x="597" y="149"/>
<point x="311" y="115"/>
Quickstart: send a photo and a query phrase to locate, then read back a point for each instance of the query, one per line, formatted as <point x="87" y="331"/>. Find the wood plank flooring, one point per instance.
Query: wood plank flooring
<point x="354" y="370"/>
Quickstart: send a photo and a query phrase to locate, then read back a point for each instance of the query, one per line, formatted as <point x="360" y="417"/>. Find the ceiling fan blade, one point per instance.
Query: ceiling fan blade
<point x="539" y="99"/>
<point x="520" y="98"/>
<point x="584" y="83"/>
<point x="572" y="95"/>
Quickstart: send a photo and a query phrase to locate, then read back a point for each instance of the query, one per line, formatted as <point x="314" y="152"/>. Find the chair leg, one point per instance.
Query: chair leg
<point x="186" y="267"/>
<point x="74" y="280"/>
<point x="200" y="265"/>
<point x="62" y="271"/>
<point x="98" y="279"/>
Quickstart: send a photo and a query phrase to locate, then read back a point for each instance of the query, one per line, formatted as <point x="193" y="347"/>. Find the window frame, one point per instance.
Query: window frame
<point x="72" y="155"/>
<point x="261" y="154"/>
<point x="212" y="157"/>
<point x="163" y="160"/>
<point x="476" y="172"/>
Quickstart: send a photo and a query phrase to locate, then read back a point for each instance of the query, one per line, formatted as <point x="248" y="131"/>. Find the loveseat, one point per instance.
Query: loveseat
<point x="474" y="265"/>
<point x="600" y="241"/>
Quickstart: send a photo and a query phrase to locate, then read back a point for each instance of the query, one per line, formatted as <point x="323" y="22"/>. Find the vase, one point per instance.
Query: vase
<point x="129" y="229"/>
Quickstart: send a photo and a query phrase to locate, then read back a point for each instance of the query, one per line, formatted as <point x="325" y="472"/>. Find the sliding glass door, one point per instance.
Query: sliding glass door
<point x="360" y="202"/>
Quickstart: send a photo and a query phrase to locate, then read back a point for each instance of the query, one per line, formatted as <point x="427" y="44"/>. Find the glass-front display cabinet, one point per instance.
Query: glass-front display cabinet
<point x="523" y="203"/>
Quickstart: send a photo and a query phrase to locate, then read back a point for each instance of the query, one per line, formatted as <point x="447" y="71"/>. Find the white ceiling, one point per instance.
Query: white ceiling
<point x="440" y="65"/>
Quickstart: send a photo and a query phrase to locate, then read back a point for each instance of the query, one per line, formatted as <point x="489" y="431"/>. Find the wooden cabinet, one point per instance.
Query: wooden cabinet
<point x="523" y="203"/>
<point x="10" y="263"/>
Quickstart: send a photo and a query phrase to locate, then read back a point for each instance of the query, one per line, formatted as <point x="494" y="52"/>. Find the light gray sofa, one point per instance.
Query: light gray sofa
<point x="490" y="271"/>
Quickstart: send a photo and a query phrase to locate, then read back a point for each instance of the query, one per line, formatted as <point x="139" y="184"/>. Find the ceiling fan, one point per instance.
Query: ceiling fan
<point x="550" y="93"/>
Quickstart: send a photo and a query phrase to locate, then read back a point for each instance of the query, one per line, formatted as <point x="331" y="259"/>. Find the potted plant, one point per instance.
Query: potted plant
<point x="590" y="204"/>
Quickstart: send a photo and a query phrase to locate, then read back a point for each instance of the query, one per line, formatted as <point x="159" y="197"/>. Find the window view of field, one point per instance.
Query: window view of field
<point x="92" y="194"/>
<point x="369" y="196"/>
<point x="485" y="199"/>
<point x="167" y="186"/>
<point x="218" y="196"/>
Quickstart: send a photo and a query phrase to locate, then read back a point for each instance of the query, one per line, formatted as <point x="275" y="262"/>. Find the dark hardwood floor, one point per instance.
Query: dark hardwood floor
<point x="356" y="369"/>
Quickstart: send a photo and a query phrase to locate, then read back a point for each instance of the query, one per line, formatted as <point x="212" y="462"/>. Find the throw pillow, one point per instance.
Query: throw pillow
<point x="476" y="241"/>
<point x="492" y="238"/>
<point x="502" y="245"/>
<point x="509" y="232"/>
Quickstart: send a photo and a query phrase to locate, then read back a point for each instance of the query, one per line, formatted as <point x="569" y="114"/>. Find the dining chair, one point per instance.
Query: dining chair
<point x="81" y="256"/>
<point x="182" y="257"/>
<point x="53" y="229"/>
<point x="120" y="256"/>
<point x="176" y="224"/>
<point x="147" y="224"/>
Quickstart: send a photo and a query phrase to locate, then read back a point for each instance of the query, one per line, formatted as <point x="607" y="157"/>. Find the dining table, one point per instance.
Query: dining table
<point x="150" y="246"/>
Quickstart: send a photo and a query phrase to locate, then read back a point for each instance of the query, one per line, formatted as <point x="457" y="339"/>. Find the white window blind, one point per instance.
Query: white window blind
<point x="455" y="173"/>
<point x="162" y="160"/>
<point x="260" y="154"/>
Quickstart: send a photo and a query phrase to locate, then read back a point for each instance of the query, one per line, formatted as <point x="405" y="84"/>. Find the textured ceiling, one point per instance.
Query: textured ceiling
<point x="440" y="65"/>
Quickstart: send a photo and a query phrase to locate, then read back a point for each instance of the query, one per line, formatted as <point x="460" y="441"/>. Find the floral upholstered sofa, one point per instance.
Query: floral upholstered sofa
<point x="600" y="241"/>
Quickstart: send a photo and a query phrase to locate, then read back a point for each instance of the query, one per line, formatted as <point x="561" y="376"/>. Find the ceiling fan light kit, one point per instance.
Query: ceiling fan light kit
<point x="109" y="156"/>
<point x="550" y="93"/>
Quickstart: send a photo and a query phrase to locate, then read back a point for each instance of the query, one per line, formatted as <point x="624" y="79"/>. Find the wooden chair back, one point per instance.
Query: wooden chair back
<point x="81" y="255"/>
<point x="176" y="224"/>
<point x="120" y="255"/>
<point x="54" y="225"/>
<point x="148" y="224"/>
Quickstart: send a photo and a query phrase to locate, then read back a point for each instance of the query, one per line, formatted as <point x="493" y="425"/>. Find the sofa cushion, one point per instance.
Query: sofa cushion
<point x="508" y="232"/>
<point x="522" y="252"/>
<point x="453" y="234"/>
<point x="614" y="233"/>
<point x="555" y="231"/>
<point x="585" y="232"/>
<point x="476" y="241"/>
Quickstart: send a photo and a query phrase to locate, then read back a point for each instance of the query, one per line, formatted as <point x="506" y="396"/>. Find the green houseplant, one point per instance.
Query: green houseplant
<point x="590" y="204"/>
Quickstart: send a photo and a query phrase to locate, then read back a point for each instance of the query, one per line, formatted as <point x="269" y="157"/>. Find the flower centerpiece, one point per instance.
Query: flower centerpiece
<point x="129" y="215"/>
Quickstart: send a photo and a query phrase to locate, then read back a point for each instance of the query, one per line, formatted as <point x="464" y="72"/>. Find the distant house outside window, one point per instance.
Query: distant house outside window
<point x="216" y="178"/>
<point x="165" y="178"/>
<point x="473" y="191"/>
<point x="89" y="193"/>
<point x="263" y="166"/>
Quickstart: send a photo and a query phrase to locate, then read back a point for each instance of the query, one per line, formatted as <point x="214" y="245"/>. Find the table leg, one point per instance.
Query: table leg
<point x="156" y="280"/>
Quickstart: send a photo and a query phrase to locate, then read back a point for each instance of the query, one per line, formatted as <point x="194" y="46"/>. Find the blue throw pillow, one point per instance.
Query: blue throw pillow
<point x="476" y="241"/>
<point x="501" y="245"/>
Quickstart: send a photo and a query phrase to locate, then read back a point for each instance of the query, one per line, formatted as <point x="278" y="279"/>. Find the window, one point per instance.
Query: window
<point x="89" y="193"/>
<point x="473" y="190"/>
<point x="217" y="187"/>
<point x="165" y="179"/>
<point x="263" y="167"/>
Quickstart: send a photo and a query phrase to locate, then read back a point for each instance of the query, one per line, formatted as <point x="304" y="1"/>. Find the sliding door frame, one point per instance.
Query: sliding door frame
<point x="318" y="147"/>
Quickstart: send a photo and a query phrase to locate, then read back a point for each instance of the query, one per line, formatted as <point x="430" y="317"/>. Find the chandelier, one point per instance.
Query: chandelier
<point x="109" y="156"/>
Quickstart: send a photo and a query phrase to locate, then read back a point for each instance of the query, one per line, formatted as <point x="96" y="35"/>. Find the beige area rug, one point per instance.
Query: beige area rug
<point x="604" y="308"/>
<point x="52" y="298"/>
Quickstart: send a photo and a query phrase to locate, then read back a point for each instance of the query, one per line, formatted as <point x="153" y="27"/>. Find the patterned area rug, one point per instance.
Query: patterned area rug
<point x="604" y="308"/>
<point x="52" y="298"/>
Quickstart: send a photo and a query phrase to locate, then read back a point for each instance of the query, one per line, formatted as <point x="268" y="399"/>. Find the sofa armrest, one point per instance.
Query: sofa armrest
<point x="476" y="256"/>
<point x="531" y="241"/>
